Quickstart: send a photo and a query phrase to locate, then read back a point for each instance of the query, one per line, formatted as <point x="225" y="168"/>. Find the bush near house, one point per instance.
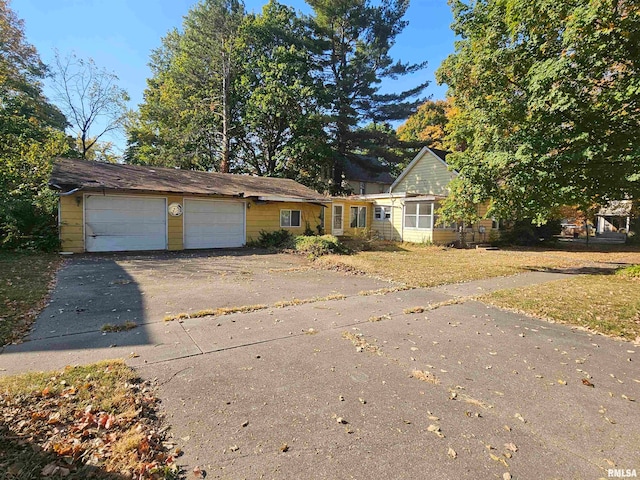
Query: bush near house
<point x="524" y="233"/>
<point x="316" y="246"/>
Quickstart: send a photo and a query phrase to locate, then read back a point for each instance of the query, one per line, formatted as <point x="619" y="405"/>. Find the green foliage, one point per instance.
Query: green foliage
<point x="31" y="135"/>
<point x="275" y="93"/>
<point x="190" y="114"/>
<point x="525" y="233"/>
<point x="276" y="239"/>
<point x="633" y="271"/>
<point x="316" y="246"/>
<point x="546" y="95"/>
<point x="355" y="38"/>
<point x="282" y="130"/>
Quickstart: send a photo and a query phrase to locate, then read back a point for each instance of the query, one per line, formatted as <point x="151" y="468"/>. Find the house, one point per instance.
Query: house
<point x="111" y="207"/>
<point x="614" y="218"/>
<point x="406" y="212"/>
<point x="365" y="175"/>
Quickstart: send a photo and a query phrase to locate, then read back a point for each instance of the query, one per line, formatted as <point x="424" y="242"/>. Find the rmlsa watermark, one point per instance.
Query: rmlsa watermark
<point x="622" y="473"/>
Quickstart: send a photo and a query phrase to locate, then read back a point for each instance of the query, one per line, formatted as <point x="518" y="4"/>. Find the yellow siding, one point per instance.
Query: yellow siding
<point x="428" y="176"/>
<point x="346" y="219"/>
<point x="175" y="225"/>
<point x="390" y="229"/>
<point x="71" y="223"/>
<point x="266" y="217"/>
<point x="369" y="187"/>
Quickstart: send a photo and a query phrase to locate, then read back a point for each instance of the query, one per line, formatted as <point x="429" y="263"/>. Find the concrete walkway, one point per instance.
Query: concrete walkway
<point x="356" y="388"/>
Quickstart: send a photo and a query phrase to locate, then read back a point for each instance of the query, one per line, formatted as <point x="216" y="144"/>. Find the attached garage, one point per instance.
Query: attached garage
<point x="106" y="207"/>
<point x="114" y="223"/>
<point x="213" y="223"/>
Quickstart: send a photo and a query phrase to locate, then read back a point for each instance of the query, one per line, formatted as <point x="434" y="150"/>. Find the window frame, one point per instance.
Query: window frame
<point x="418" y="215"/>
<point x="357" y="218"/>
<point x="385" y="210"/>
<point x="282" y="210"/>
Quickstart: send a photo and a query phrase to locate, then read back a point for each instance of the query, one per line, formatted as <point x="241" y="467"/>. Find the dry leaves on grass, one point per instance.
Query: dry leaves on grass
<point x="92" y="418"/>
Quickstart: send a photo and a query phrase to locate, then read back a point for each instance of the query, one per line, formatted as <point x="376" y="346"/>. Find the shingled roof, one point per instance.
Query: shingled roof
<point x="69" y="174"/>
<point x="366" y="169"/>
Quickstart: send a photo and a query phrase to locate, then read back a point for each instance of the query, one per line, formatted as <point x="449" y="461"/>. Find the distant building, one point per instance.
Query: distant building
<point x="366" y="175"/>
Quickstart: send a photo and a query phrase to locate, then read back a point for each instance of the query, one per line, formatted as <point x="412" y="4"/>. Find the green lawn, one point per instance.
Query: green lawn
<point x="24" y="283"/>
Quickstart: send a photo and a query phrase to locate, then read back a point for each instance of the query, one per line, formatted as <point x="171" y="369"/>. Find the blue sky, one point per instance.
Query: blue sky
<point x="120" y="34"/>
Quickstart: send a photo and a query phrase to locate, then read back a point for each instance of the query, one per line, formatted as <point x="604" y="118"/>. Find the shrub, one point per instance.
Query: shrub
<point x="316" y="246"/>
<point x="277" y="239"/>
<point x="523" y="232"/>
<point x="633" y="271"/>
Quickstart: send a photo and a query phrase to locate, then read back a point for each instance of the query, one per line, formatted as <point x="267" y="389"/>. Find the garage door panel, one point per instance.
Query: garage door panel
<point x="118" y="223"/>
<point x="213" y="224"/>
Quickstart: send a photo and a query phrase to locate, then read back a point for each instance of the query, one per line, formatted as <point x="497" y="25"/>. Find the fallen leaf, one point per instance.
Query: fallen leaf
<point x="197" y="472"/>
<point x="506" y="476"/>
<point x="452" y="453"/>
<point x="519" y="417"/>
<point x="562" y="382"/>
<point x="49" y="469"/>
<point x="511" y="446"/>
<point x="284" y="447"/>
<point x="587" y="382"/>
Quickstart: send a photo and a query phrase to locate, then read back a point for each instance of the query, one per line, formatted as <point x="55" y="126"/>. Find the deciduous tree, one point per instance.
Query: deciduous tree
<point x="90" y="98"/>
<point x="549" y="102"/>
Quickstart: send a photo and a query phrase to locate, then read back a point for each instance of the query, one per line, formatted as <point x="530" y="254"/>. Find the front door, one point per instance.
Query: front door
<point x="338" y="215"/>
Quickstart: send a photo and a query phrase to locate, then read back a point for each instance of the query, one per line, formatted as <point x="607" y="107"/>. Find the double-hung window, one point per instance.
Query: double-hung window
<point x="418" y="215"/>
<point x="382" y="213"/>
<point x="289" y="218"/>
<point x="358" y="217"/>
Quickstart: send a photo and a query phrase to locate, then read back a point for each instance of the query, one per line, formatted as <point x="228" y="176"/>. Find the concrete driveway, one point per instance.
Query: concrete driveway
<point x="348" y="387"/>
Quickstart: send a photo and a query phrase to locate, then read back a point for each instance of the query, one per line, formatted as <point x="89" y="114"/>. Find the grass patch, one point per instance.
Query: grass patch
<point x="425" y="376"/>
<point x="631" y="272"/>
<point x="608" y="304"/>
<point x="383" y="291"/>
<point x="25" y="279"/>
<point x="408" y="311"/>
<point x="94" y="421"/>
<point x="118" y="327"/>
<point x="428" y="266"/>
<point x="217" y="312"/>
<point x="361" y="344"/>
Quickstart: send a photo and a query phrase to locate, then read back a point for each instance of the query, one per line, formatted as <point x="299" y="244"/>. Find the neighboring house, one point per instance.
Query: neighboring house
<point x="365" y="175"/>
<point x="108" y="207"/>
<point x="615" y="217"/>
<point x="406" y="211"/>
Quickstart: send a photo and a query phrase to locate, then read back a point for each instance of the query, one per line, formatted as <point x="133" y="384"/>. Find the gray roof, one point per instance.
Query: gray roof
<point x="366" y="169"/>
<point x="616" y="208"/>
<point x="69" y="174"/>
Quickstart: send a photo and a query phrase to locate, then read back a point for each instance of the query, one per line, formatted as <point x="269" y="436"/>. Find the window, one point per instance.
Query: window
<point x="382" y="213"/>
<point x="495" y="223"/>
<point x="358" y="217"/>
<point x="289" y="218"/>
<point x="418" y="215"/>
<point x="321" y="218"/>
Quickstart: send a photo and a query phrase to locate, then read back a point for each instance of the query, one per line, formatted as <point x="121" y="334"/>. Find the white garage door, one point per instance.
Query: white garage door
<point x="213" y="224"/>
<point x="114" y="223"/>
